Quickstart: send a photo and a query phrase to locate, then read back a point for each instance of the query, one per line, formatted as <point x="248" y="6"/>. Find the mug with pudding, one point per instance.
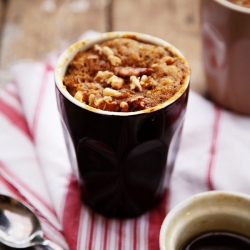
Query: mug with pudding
<point x="225" y="28"/>
<point x="122" y="98"/>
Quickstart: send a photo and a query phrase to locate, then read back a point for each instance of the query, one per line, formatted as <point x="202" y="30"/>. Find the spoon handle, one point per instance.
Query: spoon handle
<point x="51" y="245"/>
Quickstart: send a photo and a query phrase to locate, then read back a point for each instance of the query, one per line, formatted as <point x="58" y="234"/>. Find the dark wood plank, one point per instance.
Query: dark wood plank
<point x="176" y="21"/>
<point x="3" y="10"/>
<point x="35" y="28"/>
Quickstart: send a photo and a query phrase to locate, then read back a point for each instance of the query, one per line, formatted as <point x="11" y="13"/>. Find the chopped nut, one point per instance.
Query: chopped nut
<point x="93" y="57"/>
<point x="78" y="95"/>
<point x="129" y="71"/>
<point x="107" y="51"/>
<point x="111" y="92"/>
<point x="144" y="79"/>
<point x="135" y="83"/>
<point x="98" y="49"/>
<point x="168" y="60"/>
<point x="103" y="76"/>
<point x="107" y="98"/>
<point x="116" y="82"/>
<point x="99" y="102"/>
<point x="113" y="106"/>
<point x="114" y="60"/>
<point x="109" y="104"/>
<point x="153" y="82"/>
<point x="137" y="103"/>
<point x="155" y="65"/>
<point x="93" y="85"/>
<point x="124" y="106"/>
<point x="91" y="100"/>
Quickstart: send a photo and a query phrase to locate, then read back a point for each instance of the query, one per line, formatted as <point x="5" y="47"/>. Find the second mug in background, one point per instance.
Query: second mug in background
<point x="226" y="52"/>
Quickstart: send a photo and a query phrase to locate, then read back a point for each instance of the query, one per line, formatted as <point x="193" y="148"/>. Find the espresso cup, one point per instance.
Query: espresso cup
<point x="123" y="159"/>
<point x="225" y="31"/>
<point x="210" y="213"/>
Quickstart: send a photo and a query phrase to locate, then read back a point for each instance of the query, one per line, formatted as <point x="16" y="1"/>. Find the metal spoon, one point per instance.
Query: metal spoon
<point x="19" y="226"/>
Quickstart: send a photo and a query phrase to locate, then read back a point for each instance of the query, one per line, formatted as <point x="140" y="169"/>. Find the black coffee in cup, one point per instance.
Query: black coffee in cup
<point x="218" y="241"/>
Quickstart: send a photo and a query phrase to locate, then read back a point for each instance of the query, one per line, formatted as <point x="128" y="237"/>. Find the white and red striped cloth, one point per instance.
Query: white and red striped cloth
<point x="34" y="165"/>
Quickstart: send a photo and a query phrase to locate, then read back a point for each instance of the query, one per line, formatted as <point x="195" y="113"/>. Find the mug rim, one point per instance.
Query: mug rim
<point x="170" y="223"/>
<point x="87" y="43"/>
<point x="233" y="6"/>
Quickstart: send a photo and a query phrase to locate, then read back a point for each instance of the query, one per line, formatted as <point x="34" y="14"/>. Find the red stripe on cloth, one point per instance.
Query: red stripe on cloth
<point x="12" y="189"/>
<point x="12" y="93"/>
<point x="156" y="217"/>
<point x="27" y="188"/>
<point x="120" y="235"/>
<point x="91" y="233"/>
<point x="47" y="69"/>
<point x="215" y="133"/>
<point x="72" y="213"/>
<point x="135" y="235"/>
<point x="15" y="118"/>
<point x="16" y="194"/>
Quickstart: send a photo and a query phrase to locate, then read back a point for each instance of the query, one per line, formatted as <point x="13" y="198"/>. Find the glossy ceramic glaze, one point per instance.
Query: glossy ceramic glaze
<point x="226" y="41"/>
<point x="214" y="211"/>
<point x="124" y="159"/>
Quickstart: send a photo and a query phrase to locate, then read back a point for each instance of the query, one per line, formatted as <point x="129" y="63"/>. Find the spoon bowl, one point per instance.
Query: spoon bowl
<point x="19" y="226"/>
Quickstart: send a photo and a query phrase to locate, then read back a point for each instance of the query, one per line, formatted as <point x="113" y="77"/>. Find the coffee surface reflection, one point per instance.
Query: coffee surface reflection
<point x="218" y="241"/>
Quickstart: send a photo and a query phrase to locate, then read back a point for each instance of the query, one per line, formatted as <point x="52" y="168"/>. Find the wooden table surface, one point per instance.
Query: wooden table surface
<point x="33" y="28"/>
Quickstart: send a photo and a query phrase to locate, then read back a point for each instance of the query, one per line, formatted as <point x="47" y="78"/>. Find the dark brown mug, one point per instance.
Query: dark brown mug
<point x="124" y="160"/>
<point x="226" y="52"/>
